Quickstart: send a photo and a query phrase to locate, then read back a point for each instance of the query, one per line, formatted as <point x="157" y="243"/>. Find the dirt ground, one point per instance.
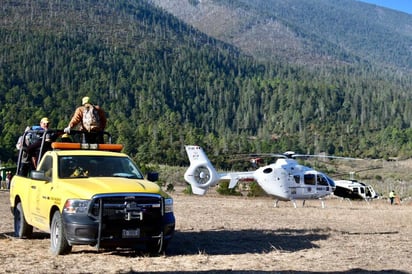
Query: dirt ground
<point x="220" y="234"/>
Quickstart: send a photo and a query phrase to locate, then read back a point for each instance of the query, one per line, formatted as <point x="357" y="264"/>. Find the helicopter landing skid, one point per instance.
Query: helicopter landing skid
<point x="303" y="203"/>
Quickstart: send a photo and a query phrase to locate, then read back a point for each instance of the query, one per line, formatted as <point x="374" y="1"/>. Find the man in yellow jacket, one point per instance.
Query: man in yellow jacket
<point x="392" y="196"/>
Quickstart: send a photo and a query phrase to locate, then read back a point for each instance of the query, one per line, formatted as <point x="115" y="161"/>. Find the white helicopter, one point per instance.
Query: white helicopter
<point x="286" y="180"/>
<point x="354" y="190"/>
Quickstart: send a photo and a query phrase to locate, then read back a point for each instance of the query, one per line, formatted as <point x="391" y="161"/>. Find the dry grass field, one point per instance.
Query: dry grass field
<point x="217" y="234"/>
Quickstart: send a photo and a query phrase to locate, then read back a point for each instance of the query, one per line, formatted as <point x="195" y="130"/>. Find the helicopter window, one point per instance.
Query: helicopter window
<point x="368" y="192"/>
<point x="267" y="170"/>
<point x="309" y="179"/>
<point x="322" y="181"/>
<point x="297" y="179"/>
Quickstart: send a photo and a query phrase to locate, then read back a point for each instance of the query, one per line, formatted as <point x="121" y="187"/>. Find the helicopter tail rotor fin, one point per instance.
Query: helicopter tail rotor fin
<point x="201" y="174"/>
<point x="233" y="182"/>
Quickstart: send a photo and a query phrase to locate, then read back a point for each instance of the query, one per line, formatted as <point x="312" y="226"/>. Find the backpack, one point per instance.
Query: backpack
<point x="31" y="137"/>
<point x="91" y="118"/>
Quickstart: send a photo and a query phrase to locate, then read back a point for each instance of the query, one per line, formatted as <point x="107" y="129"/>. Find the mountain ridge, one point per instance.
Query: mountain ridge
<point x="314" y="32"/>
<point x="164" y="84"/>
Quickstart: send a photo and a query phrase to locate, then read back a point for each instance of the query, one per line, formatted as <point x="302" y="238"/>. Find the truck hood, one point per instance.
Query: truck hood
<point x="87" y="187"/>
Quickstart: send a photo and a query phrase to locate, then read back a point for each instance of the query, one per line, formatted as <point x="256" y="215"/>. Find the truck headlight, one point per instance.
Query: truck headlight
<point x="76" y="206"/>
<point x="168" y="205"/>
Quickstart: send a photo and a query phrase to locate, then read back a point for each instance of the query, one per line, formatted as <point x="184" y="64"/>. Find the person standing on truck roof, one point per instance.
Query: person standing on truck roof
<point x="90" y="119"/>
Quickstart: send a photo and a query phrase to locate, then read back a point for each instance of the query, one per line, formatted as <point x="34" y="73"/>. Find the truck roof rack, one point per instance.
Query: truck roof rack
<point x="79" y="142"/>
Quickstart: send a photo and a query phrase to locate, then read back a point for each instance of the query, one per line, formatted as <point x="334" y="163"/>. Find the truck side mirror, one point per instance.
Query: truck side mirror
<point x="39" y="175"/>
<point x="152" y="176"/>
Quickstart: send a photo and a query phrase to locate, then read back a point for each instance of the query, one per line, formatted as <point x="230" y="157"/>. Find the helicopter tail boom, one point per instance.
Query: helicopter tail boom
<point x="201" y="174"/>
<point x="235" y="177"/>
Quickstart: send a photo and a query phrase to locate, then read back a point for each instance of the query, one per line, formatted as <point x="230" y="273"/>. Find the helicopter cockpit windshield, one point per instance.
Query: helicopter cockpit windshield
<point x="330" y="181"/>
<point x="322" y="181"/>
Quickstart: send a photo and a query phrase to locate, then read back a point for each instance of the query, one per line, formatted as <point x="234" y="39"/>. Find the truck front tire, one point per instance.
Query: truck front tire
<point x="157" y="246"/>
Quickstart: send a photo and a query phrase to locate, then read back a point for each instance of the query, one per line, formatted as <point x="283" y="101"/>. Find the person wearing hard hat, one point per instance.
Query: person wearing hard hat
<point x="89" y="118"/>
<point x="34" y="148"/>
<point x="66" y="138"/>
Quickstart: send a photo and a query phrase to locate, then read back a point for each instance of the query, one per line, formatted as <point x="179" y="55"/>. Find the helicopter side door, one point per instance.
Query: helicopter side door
<point x="309" y="185"/>
<point x="302" y="187"/>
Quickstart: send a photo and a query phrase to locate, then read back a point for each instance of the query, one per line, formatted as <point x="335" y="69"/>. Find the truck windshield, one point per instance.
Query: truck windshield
<point x="97" y="166"/>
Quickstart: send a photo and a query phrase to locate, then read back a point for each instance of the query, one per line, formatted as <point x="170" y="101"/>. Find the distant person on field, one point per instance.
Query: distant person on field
<point x="9" y="176"/>
<point x="392" y="196"/>
<point x="90" y="119"/>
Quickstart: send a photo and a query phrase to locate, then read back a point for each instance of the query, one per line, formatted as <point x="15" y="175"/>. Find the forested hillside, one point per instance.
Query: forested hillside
<point x="164" y="84"/>
<point x="310" y="32"/>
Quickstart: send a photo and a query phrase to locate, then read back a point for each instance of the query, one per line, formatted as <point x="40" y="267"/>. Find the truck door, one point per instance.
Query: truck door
<point x="41" y="195"/>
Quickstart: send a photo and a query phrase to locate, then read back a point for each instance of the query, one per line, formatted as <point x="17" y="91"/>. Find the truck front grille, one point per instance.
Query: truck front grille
<point x="121" y="212"/>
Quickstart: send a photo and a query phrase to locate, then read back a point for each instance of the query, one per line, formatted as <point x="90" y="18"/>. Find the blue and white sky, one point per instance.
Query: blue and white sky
<point x="400" y="5"/>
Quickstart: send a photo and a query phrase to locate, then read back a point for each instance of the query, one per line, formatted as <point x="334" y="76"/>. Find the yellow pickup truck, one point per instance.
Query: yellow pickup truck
<point x="91" y="194"/>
